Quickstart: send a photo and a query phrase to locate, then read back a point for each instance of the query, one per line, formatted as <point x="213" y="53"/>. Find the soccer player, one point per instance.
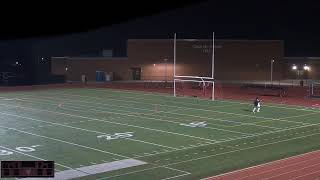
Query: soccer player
<point x="256" y="105"/>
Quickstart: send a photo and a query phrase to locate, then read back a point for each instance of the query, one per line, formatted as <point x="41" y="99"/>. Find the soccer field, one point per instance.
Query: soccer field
<point x="112" y="134"/>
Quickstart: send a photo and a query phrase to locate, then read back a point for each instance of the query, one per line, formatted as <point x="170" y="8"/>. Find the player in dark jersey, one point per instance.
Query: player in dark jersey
<point x="256" y="105"/>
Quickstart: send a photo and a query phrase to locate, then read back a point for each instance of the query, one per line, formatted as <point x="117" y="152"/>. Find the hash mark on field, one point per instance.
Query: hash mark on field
<point x="93" y="163"/>
<point x="35" y="146"/>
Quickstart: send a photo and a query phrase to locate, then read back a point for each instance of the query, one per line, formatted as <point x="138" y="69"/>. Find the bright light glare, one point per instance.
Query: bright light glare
<point x="305" y="67"/>
<point x="294" y="67"/>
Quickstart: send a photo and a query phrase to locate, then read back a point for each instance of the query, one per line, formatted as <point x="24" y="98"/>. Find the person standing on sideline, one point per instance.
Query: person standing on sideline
<point x="256" y="105"/>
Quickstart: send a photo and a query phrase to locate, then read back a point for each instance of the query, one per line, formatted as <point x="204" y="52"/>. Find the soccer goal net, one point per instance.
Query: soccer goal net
<point x="194" y="86"/>
<point x="315" y="89"/>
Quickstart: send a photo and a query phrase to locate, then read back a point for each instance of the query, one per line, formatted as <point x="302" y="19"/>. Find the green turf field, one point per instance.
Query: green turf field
<point x="78" y="128"/>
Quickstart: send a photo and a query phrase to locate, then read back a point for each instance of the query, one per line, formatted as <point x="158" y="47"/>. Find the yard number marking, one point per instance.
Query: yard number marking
<point x="195" y="124"/>
<point x="116" y="136"/>
<point x="22" y="149"/>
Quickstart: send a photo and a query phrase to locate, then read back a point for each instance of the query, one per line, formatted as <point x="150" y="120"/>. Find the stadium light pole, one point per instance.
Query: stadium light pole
<point x="174" y="64"/>
<point x="271" y="74"/>
<point x="212" y="71"/>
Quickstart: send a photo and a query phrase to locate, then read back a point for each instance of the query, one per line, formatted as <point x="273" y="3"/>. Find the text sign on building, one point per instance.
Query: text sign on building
<point x="205" y="48"/>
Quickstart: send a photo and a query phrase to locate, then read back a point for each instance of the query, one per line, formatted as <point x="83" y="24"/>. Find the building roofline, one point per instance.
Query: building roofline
<point x="220" y="40"/>
<point x="301" y="57"/>
<point x="96" y="58"/>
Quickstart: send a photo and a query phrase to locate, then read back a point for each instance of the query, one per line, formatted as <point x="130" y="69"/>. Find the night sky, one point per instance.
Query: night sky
<point x="67" y="30"/>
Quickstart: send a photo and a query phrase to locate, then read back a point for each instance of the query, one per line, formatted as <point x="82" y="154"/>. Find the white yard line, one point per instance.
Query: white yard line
<point x="235" y="139"/>
<point x="82" y="129"/>
<point x="236" y="114"/>
<point x="63" y="141"/>
<point x="214" y="155"/>
<point x="301" y="115"/>
<point x="233" y="151"/>
<point x="173" y="98"/>
<point x="137" y="102"/>
<point x="176" y="176"/>
<point x="112" y="122"/>
<point x="167" y="112"/>
<point x="94" y="119"/>
<point x="217" y="142"/>
<point x="19" y="152"/>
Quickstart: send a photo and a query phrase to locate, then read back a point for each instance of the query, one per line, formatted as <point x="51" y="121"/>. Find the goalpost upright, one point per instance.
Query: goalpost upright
<point x="212" y="71"/>
<point x="211" y="79"/>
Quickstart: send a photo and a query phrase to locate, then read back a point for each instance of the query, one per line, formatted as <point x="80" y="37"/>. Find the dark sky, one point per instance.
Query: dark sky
<point x="53" y="29"/>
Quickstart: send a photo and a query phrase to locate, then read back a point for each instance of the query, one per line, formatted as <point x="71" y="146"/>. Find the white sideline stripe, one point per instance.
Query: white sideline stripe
<point x="98" y="132"/>
<point x="92" y="170"/>
<point x="112" y="122"/>
<point x="19" y="152"/>
<point x="59" y="140"/>
<point x="129" y="113"/>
